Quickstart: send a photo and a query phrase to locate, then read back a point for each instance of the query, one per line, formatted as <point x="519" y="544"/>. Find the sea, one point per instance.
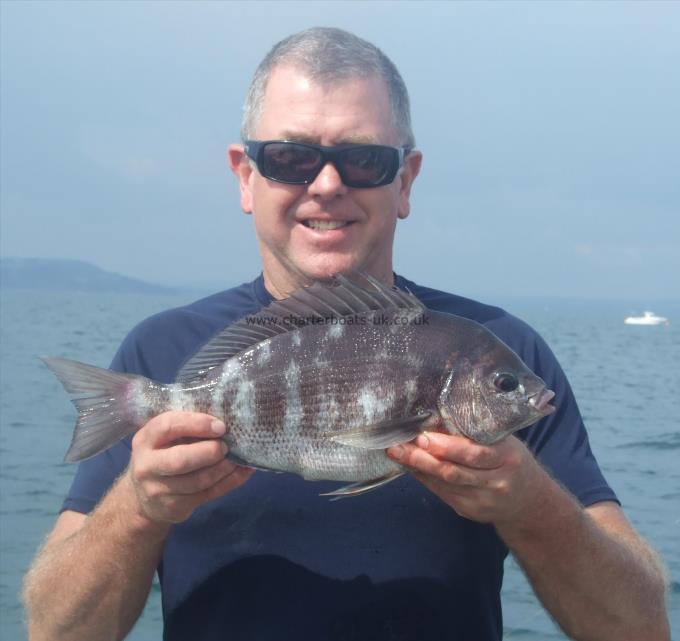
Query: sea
<point x="626" y="379"/>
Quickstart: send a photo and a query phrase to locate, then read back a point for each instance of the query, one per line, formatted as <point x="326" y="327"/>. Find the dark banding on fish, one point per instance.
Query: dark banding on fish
<point x="320" y="383"/>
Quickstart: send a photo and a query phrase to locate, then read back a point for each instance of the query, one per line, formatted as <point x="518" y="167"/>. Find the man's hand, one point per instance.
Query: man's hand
<point x="178" y="463"/>
<point x="610" y="584"/>
<point x="485" y="483"/>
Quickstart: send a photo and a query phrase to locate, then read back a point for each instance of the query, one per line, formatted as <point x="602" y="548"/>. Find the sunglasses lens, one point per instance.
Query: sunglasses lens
<point x="290" y="163"/>
<point x="298" y="163"/>
<point x="369" y="165"/>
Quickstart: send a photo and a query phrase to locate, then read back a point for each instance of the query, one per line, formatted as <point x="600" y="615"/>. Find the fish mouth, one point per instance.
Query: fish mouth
<point x="541" y="401"/>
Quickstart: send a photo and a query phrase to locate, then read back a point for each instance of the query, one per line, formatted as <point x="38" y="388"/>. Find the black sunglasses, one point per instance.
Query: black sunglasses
<point x="299" y="163"/>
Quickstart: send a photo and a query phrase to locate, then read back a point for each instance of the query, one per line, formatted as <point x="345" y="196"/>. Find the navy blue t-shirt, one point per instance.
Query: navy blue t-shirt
<point x="273" y="560"/>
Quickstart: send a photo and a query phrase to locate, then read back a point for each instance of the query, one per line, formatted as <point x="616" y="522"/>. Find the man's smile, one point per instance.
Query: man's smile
<point x="326" y="225"/>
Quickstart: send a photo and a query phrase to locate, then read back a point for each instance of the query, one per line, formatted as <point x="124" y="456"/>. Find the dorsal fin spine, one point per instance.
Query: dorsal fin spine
<point x="341" y="297"/>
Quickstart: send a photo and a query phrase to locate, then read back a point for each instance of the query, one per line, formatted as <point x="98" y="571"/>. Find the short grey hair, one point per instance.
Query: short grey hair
<point x="327" y="55"/>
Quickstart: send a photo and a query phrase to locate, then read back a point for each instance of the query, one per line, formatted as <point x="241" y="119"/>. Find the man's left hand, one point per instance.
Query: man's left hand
<point x="486" y="483"/>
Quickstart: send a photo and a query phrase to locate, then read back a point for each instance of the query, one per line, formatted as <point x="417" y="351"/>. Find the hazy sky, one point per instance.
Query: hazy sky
<point x="550" y="133"/>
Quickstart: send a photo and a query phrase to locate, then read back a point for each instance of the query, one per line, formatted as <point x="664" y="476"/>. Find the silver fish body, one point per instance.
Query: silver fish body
<point x="323" y="398"/>
<point x="286" y="400"/>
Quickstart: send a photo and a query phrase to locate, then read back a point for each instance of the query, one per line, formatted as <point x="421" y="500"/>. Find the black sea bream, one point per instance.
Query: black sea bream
<point x="319" y="384"/>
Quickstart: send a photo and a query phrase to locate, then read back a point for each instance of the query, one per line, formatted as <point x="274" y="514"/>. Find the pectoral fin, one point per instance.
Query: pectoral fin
<point x="380" y="436"/>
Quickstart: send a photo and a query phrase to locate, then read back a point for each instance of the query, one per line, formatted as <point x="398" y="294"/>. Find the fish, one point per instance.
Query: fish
<point x="319" y="384"/>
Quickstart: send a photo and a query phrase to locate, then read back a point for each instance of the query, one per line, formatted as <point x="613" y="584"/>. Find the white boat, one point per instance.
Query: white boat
<point x="647" y="318"/>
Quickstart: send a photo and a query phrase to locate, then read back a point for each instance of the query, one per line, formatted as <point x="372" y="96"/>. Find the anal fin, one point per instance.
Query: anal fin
<point x="355" y="489"/>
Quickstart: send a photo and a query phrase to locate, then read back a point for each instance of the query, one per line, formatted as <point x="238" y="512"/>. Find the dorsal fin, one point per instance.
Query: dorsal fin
<point x="339" y="297"/>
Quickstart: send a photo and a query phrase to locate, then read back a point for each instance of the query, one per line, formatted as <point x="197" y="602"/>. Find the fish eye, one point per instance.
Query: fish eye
<point x="506" y="382"/>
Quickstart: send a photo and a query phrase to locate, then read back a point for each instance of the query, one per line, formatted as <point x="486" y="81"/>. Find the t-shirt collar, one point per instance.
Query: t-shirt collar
<point x="263" y="297"/>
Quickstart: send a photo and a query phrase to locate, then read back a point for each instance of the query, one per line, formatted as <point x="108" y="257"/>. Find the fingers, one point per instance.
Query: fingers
<point x="454" y="460"/>
<point x="160" y="504"/>
<point x="237" y="477"/>
<point x="178" y="463"/>
<point x="461" y="450"/>
<point x="183" y="459"/>
<point x="176" y="443"/>
<point x="197" y="481"/>
<point x="486" y="483"/>
<point x="426" y="463"/>
<point x="170" y="427"/>
<point x="179" y="496"/>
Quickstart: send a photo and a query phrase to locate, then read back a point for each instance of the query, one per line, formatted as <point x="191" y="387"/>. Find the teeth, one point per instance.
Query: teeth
<point x="541" y="400"/>
<point x="323" y="225"/>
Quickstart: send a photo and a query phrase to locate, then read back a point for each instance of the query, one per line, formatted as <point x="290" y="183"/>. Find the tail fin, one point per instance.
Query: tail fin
<point x="105" y="404"/>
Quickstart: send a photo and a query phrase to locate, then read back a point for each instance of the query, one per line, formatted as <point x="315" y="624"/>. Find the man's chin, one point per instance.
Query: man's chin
<point x="329" y="267"/>
<point x="284" y="276"/>
<point x="327" y="270"/>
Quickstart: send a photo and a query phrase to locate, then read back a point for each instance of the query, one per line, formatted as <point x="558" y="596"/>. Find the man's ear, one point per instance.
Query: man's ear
<point x="408" y="174"/>
<point x="239" y="163"/>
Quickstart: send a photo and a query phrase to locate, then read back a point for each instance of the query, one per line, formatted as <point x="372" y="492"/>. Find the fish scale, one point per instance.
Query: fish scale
<point x="266" y="443"/>
<point x="323" y="393"/>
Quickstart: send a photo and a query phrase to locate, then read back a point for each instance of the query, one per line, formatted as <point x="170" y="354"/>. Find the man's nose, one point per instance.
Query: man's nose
<point x="328" y="183"/>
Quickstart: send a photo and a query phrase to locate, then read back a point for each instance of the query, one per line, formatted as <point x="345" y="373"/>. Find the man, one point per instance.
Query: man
<point x="244" y="555"/>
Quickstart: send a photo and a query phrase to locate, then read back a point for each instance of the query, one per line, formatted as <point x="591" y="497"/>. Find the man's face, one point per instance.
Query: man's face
<point x="293" y="251"/>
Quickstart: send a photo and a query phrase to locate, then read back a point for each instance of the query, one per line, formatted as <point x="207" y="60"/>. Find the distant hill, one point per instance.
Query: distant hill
<point x="73" y="275"/>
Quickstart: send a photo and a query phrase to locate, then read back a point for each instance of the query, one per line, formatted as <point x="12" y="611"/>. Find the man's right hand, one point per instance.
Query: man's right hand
<point x="178" y="463"/>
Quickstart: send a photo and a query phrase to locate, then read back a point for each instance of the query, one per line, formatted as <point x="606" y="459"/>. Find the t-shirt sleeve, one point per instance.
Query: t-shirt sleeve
<point x="560" y="440"/>
<point x="96" y="475"/>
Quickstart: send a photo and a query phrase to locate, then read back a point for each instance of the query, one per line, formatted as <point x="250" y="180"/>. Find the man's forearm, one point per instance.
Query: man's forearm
<point x="93" y="584"/>
<point x="597" y="584"/>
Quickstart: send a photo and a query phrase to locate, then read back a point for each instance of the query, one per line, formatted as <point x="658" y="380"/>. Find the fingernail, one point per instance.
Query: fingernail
<point x="218" y="427"/>
<point x="397" y="451"/>
<point x="423" y="441"/>
<point x="224" y="447"/>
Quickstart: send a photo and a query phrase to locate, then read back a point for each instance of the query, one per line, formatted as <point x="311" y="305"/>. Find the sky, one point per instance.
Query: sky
<point x="550" y="133"/>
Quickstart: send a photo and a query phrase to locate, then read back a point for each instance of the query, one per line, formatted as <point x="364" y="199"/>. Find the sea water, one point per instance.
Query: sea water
<point x="626" y="379"/>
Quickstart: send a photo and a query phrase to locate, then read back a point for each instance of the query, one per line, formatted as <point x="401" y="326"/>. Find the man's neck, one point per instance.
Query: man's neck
<point x="283" y="285"/>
